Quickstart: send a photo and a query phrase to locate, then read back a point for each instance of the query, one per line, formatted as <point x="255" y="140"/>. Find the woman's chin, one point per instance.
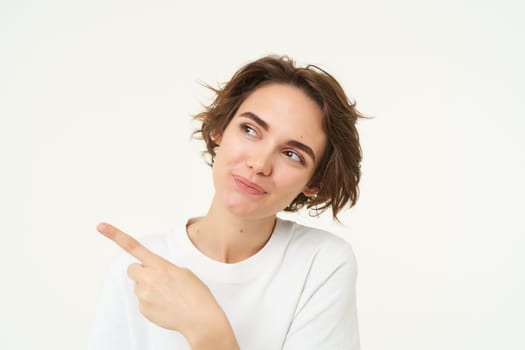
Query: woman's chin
<point x="244" y="209"/>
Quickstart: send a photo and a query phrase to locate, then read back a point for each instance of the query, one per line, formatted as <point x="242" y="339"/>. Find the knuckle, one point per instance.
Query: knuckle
<point x="133" y="270"/>
<point x="143" y="292"/>
<point x="129" y="244"/>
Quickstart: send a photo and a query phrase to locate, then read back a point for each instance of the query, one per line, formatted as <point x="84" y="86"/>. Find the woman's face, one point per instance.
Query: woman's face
<point x="268" y="152"/>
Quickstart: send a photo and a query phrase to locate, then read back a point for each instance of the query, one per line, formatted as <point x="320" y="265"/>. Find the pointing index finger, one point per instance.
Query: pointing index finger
<point x="129" y="244"/>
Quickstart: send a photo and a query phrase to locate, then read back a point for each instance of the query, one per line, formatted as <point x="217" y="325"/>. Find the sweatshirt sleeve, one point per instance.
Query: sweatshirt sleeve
<point x="326" y="316"/>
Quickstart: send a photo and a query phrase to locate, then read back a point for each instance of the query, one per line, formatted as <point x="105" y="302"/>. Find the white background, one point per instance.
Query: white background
<point x="95" y="105"/>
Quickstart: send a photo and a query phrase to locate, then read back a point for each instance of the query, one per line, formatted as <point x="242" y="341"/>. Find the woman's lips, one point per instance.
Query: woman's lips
<point x="247" y="186"/>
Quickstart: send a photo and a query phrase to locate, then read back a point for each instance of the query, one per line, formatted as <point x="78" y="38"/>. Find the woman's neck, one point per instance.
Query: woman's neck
<point x="227" y="238"/>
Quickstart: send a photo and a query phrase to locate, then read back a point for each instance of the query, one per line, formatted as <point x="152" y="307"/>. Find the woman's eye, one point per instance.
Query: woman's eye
<point x="248" y="130"/>
<point x="294" y="156"/>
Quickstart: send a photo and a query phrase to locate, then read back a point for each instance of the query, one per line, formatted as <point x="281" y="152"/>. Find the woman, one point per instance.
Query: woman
<point x="280" y="138"/>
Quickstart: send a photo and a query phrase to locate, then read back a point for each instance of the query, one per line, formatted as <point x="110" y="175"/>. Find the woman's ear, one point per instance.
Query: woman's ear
<point x="216" y="137"/>
<point x="311" y="191"/>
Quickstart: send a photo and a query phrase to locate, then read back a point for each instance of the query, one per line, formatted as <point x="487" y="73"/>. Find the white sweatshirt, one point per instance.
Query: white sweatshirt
<point x="297" y="292"/>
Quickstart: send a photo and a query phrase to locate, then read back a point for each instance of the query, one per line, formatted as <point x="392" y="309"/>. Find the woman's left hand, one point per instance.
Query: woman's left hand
<point x="173" y="297"/>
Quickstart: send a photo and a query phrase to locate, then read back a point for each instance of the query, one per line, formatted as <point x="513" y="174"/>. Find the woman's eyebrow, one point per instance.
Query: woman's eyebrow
<point x="291" y="143"/>
<point x="256" y="119"/>
<point x="302" y="147"/>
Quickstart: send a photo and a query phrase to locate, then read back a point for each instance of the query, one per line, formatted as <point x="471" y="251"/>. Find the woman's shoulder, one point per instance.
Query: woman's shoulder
<point x="317" y="243"/>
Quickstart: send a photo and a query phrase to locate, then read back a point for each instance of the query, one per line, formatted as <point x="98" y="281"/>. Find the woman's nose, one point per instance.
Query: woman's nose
<point x="260" y="162"/>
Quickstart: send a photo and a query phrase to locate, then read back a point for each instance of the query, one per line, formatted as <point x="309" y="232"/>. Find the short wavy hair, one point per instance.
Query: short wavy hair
<point x="338" y="173"/>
